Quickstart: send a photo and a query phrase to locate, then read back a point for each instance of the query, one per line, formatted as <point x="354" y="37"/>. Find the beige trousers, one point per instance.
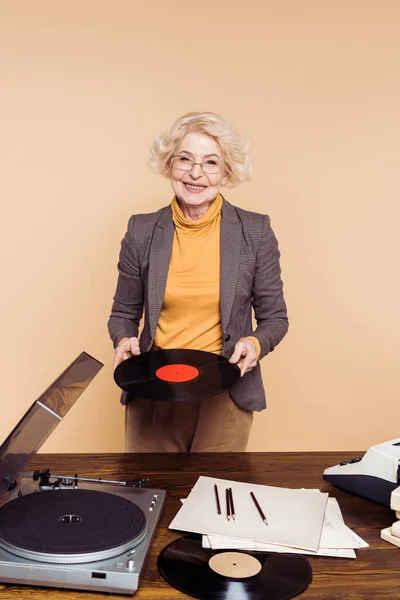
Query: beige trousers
<point x="214" y="424"/>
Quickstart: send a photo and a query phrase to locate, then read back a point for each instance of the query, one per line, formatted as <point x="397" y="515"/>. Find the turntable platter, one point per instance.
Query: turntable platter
<point x="70" y="526"/>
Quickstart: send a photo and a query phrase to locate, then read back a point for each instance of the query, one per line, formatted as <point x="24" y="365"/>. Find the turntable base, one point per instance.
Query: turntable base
<point x="94" y="538"/>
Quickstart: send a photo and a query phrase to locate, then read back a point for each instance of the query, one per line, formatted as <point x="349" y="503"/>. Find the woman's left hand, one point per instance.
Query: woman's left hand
<point x="244" y="355"/>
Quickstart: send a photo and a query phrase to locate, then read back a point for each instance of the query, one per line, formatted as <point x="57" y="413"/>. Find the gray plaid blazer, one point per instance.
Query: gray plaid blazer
<point x="250" y="277"/>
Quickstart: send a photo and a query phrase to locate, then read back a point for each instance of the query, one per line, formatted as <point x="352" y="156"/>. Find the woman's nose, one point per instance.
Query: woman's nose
<point x="196" y="170"/>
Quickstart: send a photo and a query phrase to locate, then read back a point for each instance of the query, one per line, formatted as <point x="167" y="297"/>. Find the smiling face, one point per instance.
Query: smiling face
<point x="194" y="189"/>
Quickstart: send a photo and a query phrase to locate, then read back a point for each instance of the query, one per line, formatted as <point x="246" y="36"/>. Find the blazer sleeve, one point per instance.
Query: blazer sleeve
<point x="268" y="300"/>
<point x="127" y="308"/>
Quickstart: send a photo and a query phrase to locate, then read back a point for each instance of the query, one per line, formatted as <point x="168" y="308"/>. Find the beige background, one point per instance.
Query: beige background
<point x="314" y="84"/>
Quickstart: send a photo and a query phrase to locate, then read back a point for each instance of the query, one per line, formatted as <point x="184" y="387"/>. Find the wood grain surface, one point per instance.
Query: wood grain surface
<point x="374" y="575"/>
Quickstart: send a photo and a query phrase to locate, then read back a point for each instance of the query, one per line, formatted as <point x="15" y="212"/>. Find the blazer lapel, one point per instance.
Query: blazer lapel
<point x="159" y="259"/>
<point x="231" y="234"/>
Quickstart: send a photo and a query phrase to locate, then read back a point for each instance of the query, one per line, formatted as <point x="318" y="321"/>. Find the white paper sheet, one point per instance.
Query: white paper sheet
<point x="336" y="540"/>
<point x="231" y="544"/>
<point x="295" y="517"/>
<point x="335" y="533"/>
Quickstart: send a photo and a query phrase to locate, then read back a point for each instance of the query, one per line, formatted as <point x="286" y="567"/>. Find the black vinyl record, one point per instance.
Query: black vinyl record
<point x="180" y="375"/>
<point x="185" y="565"/>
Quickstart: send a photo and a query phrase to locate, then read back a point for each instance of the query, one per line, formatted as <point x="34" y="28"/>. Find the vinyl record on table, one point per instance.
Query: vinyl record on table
<point x="218" y="575"/>
<point x="176" y="375"/>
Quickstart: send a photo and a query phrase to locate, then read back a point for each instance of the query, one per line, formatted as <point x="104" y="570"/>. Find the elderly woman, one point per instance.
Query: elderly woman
<point x="197" y="268"/>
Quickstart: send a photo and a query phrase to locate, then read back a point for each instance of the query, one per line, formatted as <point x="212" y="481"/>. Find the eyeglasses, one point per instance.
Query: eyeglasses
<point x="209" y="166"/>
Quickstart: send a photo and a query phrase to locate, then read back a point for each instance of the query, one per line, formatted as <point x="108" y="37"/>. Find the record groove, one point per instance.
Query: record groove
<point x="179" y="375"/>
<point x="184" y="564"/>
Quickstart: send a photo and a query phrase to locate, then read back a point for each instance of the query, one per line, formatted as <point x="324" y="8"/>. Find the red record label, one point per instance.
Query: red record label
<point x="177" y="373"/>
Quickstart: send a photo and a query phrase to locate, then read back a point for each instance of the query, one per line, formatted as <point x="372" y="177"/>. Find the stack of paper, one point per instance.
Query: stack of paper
<point x="392" y="534"/>
<point x="300" y="521"/>
<point x="395" y="501"/>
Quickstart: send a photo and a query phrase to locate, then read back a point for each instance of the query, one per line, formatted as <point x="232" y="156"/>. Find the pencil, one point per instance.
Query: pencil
<point x="264" y="518"/>
<point x="232" y="505"/>
<point x="217" y="499"/>
<point x="228" y="504"/>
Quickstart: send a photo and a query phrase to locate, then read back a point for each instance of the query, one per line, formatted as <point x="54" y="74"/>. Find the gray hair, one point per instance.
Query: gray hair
<point x="233" y="145"/>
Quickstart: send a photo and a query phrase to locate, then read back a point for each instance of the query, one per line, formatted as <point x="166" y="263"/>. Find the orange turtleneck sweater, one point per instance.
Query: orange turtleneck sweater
<point x="190" y="314"/>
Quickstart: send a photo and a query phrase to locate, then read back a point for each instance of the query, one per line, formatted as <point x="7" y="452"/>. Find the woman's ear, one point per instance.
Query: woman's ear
<point x="225" y="179"/>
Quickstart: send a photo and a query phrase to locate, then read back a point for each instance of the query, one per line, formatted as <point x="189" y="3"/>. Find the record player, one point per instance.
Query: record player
<point x="70" y="531"/>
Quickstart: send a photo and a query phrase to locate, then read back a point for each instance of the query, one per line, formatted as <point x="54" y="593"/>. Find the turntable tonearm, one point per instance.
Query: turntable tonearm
<point x="70" y="531"/>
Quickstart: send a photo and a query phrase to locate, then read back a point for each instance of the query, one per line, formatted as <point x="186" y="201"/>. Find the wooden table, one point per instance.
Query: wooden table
<point x="374" y="575"/>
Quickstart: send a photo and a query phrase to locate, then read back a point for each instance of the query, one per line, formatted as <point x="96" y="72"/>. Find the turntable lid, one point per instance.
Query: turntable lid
<point x="43" y="417"/>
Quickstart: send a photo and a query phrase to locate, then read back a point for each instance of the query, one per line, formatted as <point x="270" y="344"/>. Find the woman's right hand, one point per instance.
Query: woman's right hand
<point x="126" y="348"/>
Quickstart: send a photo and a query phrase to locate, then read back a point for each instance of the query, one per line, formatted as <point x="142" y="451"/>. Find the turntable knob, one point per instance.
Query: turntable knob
<point x="130" y="564"/>
<point x="153" y="502"/>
